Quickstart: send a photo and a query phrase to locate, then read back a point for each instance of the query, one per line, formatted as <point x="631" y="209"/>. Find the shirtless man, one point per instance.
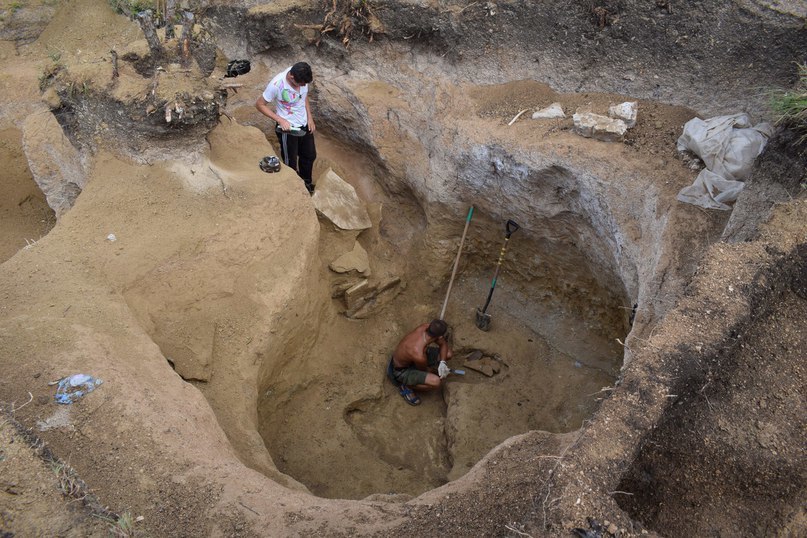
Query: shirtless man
<point x="414" y="362"/>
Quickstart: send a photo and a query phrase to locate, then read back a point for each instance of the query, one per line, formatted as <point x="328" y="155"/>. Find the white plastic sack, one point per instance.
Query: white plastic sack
<point x="728" y="146"/>
<point x="711" y="191"/>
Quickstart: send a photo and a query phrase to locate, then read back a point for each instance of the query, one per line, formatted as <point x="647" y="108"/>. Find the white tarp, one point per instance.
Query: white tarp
<point x="728" y="146"/>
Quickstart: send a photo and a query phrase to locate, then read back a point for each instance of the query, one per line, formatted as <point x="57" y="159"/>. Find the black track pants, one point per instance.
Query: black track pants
<point x="298" y="152"/>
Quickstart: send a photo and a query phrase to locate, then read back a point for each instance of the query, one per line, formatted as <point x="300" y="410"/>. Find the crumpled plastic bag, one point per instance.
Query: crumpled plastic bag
<point x="728" y="146"/>
<point x="74" y="387"/>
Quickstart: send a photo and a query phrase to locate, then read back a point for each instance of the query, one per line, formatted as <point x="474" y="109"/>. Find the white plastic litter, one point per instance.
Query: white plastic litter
<point x="728" y="146"/>
<point x="111" y="237"/>
<point x="73" y="387"/>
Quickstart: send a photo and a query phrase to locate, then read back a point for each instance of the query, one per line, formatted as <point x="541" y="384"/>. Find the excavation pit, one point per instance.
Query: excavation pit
<point x="333" y="421"/>
<point x="242" y="396"/>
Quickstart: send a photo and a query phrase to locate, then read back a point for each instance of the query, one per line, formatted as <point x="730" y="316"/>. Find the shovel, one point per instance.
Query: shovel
<point x="456" y="262"/>
<point x="483" y="319"/>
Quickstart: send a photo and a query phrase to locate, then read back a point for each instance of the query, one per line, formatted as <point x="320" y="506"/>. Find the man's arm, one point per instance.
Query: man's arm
<point x="420" y="360"/>
<point x="445" y="349"/>
<point x="264" y="108"/>
<point x="309" y="117"/>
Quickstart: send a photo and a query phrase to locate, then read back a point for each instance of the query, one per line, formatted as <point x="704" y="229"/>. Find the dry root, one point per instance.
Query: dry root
<point x="349" y="19"/>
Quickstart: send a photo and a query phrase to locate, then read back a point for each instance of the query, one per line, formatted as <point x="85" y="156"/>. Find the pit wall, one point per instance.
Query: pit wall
<point x="262" y="294"/>
<point x="583" y="47"/>
<point x="708" y="324"/>
<point x="588" y="223"/>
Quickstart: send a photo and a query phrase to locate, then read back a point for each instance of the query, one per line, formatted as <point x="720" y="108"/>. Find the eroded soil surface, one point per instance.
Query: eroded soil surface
<point x="238" y="396"/>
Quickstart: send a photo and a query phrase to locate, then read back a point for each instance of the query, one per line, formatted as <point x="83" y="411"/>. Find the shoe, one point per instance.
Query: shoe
<point x="409" y="395"/>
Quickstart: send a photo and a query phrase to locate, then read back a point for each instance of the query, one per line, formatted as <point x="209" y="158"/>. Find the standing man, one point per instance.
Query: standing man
<point x="295" y="124"/>
<point x="414" y="362"/>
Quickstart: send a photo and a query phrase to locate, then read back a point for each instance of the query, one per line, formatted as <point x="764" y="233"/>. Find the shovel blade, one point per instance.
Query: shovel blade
<point x="482" y="320"/>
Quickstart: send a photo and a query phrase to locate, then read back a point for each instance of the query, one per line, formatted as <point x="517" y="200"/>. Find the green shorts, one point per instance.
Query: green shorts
<point x="410" y="375"/>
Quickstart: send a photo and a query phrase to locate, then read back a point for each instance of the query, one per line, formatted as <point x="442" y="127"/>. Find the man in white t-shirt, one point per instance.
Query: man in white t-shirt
<point x="295" y="124"/>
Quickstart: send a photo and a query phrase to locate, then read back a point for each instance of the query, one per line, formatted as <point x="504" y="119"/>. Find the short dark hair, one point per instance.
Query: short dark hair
<point x="437" y="328"/>
<point x="301" y="72"/>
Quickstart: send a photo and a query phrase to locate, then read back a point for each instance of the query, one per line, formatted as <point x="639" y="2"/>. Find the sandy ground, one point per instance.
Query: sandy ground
<point x="224" y="270"/>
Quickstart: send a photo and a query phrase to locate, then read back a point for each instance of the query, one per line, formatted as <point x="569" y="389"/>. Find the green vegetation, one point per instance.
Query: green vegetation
<point x="52" y="70"/>
<point x="124" y="527"/>
<point x="14" y="6"/>
<point x="132" y="7"/>
<point x="55" y="55"/>
<point x="791" y="106"/>
<point x="69" y="484"/>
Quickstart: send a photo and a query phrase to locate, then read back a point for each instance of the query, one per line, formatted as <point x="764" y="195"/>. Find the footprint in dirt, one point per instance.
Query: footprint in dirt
<point x="402" y="435"/>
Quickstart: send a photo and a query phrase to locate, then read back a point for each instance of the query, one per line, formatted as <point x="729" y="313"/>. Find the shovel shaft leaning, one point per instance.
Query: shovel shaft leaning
<point x="456" y="262"/>
<point x="496" y="274"/>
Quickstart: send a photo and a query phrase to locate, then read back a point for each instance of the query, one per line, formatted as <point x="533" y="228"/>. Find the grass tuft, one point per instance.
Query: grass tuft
<point x="69" y="484"/>
<point x="790" y="106"/>
<point x="124" y="527"/>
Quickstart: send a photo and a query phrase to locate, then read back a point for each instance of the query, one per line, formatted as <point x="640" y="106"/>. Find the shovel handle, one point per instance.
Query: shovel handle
<point x="456" y="262"/>
<point x="510" y="228"/>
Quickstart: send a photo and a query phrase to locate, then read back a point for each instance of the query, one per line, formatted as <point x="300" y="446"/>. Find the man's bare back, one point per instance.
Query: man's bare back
<point x="411" y="350"/>
<point x="414" y="362"/>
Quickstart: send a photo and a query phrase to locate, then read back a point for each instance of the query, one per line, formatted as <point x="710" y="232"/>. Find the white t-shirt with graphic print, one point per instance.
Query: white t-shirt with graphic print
<point x="289" y="103"/>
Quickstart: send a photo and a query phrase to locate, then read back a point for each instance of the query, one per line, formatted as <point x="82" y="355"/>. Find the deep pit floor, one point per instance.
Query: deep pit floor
<point x="339" y="426"/>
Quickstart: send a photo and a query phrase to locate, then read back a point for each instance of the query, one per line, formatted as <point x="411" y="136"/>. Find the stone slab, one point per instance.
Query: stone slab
<point x="355" y="260"/>
<point x="555" y="110"/>
<point x="336" y="200"/>
<point x="599" y="127"/>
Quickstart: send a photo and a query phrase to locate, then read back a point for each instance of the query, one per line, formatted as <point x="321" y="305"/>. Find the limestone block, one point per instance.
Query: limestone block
<point x="355" y="260"/>
<point x="356" y="293"/>
<point x="375" y="297"/>
<point x="339" y="288"/>
<point x="603" y="128"/>
<point x="337" y="201"/>
<point x="626" y="112"/>
<point x="555" y="110"/>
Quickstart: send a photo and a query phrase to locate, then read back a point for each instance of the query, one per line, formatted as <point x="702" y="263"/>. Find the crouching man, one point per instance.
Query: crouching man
<point x="418" y="362"/>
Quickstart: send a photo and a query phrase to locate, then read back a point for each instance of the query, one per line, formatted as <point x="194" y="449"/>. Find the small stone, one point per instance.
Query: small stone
<point x="599" y="127"/>
<point x="355" y="260"/>
<point x="626" y="112"/>
<point x="612" y="528"/>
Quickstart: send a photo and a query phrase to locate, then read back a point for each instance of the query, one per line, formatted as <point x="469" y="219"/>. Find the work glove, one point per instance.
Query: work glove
<point x="443" y="370"/>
